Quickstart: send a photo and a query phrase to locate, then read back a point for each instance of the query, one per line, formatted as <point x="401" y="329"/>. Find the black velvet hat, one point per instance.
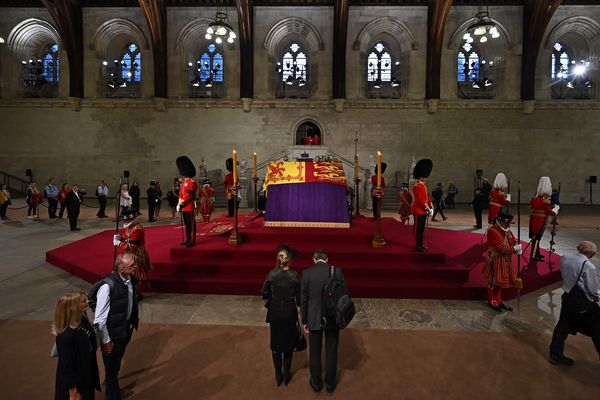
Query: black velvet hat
<point x="423" y="168"/>
<point x="229" y="164"/>
<point x="186" y="167"/>
<point x="504" y="216"/>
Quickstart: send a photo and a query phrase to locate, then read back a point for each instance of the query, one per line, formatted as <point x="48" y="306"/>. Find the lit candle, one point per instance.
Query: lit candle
<point x="378" y="169"/>
<point x="255" y="165"/>
<point x="356" y="165"/>
<point x="235" y="167"/>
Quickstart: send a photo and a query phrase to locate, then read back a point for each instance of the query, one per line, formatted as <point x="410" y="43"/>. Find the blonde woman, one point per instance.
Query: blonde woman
<point x="281" y="291"/>
<point x="77" y="370"/>
<point x="125" y="200"/>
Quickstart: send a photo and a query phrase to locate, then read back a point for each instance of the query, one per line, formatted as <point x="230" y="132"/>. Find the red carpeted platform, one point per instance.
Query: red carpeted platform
<point x="450" y="269"/>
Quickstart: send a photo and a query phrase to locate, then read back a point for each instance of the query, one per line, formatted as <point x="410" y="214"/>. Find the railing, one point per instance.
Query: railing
<point x="14" y="182"/>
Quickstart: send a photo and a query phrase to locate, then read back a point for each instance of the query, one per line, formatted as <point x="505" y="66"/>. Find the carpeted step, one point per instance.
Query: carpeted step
<point x="389" y="270"/>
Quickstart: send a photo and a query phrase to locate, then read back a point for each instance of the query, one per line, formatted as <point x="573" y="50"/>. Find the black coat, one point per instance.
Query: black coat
<point x="314" y="280"/>
<point x="281" y="290"/>
<point x="134" y="193"/>
<point x="73" y="203"/>
<point x="77" y="365"/>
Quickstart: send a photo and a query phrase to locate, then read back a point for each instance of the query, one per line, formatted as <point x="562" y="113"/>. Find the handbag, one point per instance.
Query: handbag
<point x="576" y="300"/>
<point x="300" y="339"/>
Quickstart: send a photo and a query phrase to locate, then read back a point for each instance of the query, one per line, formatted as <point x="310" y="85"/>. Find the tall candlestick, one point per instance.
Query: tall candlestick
<point x="235" y="167"/>
<point x="255" y="165"/>
<point x="378" y="169"/>
<point x="356" y="165"/>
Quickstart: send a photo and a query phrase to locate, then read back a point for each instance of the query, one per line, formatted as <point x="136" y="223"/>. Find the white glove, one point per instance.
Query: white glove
<point x="508" y="197"/>
<point x="430" y="211"/>
<point x="178" y="207"/>
<point x="116" y="239"/>
<point x="555" y="209"/>
<point x="518" y="249"/>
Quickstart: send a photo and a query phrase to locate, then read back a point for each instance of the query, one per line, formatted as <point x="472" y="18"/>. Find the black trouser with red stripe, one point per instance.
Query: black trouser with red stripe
<point x="190" y="226"/>
<point x="419" y="228"/>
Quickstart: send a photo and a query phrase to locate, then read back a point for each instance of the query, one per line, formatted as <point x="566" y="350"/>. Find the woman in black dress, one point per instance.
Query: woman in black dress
<point x="77" y="370"/>
<point x="281" y="291"/>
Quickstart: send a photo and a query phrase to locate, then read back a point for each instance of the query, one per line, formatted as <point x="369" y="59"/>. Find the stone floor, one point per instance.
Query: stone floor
<point x="30" y="287"/>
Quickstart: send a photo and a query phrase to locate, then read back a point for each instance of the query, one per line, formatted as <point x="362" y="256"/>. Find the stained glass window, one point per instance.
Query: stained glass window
<point x="51" y="64"/>
<point x="293" y="66"/>
<point x="211" y="64"/>
<point x="379" y="64"/>
<point x="131" y="64"/>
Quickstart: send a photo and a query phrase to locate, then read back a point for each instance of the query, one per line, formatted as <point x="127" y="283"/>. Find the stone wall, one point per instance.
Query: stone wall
<point x="560" y="139"/>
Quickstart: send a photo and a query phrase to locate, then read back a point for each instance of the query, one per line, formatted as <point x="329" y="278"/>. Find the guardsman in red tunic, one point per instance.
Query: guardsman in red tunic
<point x="421" y="206"/>
<point x="207" y="200"/>
<point x="498" y="198"/>
<point x="375" y="195"/>
<point x="540" y="209"/>
<point x="133" y="241"/>
<point x="187" y="199"/>
<point x="230" y="193"/>
<point x="499" y="271"/>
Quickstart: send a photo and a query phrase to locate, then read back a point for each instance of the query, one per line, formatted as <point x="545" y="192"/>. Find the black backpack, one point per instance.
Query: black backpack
<point x="336" y="305"/>
<point x="93" y="293"/>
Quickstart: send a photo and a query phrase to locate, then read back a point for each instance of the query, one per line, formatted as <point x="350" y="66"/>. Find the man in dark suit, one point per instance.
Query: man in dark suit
<point x="73" y="202"/>
<point x="314" y="280"/>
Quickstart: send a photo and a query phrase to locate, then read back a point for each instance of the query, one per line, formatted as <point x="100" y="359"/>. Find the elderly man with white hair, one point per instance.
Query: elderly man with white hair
<point x="499" y="197"/>
<point x="540" y="209"/>
<point x="579" y="312"/>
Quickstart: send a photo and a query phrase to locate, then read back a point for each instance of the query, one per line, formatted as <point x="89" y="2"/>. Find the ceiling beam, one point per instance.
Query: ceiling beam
<point x="246" y="39"/>
<point x="69" y="22"/>
<point x="437" y="15"/>
<point x="155" y="12"/>
<point x="340" y="36"/>
<point x="536" y="17"/>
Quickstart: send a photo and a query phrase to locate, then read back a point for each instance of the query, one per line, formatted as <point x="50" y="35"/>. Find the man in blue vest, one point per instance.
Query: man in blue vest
<point x="116" y="317"/>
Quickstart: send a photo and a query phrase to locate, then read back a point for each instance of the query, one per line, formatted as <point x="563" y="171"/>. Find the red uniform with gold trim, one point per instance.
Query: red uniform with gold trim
<point x="497" y="201"/>
<point x="499" y="270"/>
<point x="133" y="241"/>
<point x="540" y="209"/>
<point x="207" y="202"/>
<point x="187" y="195"/>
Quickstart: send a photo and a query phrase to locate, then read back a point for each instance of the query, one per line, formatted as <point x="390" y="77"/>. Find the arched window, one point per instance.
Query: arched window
<point x="207" y="78"/>
<point x="474" y="74"/>
<point x="382" y="69"/>
<point x="131" y="64"/>
<point x="292" y="69"/>
<point x="569" y="79"/>
<point x="308" y="133"/>
<point x="51" y="64"/>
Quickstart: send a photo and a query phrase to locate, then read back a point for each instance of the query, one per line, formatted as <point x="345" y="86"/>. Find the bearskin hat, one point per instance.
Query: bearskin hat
<point x="383" y="167"/>
<point x="423" y="168"/>
<point x="186" y="167"/>
<point x="504" y="216"/>
<point x="229" y="164"/>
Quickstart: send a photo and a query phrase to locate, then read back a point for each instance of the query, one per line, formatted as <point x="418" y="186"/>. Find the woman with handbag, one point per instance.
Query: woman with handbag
<point x="77" y="375"/>
<point x="281" y="291"/>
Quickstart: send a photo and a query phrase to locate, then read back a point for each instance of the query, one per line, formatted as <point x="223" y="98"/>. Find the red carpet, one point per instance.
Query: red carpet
<point x="450" y="269"/>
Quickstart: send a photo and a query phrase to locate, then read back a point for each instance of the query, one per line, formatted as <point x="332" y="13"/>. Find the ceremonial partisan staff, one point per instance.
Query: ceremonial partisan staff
<point x="518" y="280"/>
<point x="118" y="198"/>
<point x="552" y="234"/>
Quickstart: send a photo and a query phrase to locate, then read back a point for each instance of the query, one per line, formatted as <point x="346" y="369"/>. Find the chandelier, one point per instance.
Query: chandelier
<point x="483" y="28"/>
<point x="221" y="29"/>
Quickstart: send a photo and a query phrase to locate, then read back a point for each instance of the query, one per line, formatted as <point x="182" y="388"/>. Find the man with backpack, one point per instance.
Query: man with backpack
<point x="325" y="308"/>
<point x="116" y="316"/>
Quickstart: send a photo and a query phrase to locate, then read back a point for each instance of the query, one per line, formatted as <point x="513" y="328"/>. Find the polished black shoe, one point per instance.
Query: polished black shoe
<point x="188" y="245"/>
<point x="420" y="249"/>
<point x="330" y="390"/>
<point x="560" y="359"/>
<point x="278" y="378"/>
<point x="316" y="388"/>
<point x="505" y="307"/>
<point x="477" y="226"/>
<point x="494" y="307"/>
<point x="183" y="243"/>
